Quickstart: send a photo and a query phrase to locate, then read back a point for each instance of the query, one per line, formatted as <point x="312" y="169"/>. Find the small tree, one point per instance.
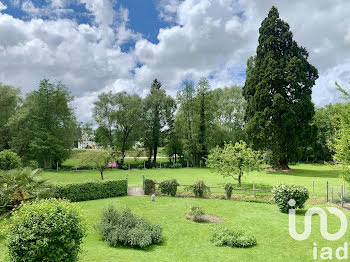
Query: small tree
<point x="234" y="160"/>
<point x="98" y="158"/>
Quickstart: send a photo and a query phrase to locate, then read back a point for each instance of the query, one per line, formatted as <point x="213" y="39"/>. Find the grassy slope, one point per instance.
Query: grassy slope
<point x="188" y="241"/>
<point x="304" y="175"/>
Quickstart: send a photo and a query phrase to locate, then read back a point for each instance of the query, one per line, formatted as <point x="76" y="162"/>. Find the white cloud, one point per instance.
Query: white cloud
<point x="2" y="7"/>
<point x="207" y="38"/>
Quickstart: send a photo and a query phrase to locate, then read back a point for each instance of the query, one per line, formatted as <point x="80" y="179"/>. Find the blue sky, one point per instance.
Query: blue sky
<point x="96" y="46"/>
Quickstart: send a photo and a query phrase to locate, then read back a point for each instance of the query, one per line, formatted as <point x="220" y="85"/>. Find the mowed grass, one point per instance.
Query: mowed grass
<point x="304" y="174"/>
<point x="185" y="240"/>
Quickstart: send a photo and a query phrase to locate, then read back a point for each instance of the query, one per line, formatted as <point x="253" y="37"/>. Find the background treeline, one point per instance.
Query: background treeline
<point x="42" y="128"/>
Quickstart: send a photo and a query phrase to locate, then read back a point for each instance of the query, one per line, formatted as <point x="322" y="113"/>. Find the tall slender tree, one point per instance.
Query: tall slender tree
<point x="9" y="102"/>
<point x="278" y="92"/>
<point x="155" y="108"/>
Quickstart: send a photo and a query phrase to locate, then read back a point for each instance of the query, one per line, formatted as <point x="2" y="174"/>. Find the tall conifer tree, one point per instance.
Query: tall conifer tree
<point x="278" y="92"/>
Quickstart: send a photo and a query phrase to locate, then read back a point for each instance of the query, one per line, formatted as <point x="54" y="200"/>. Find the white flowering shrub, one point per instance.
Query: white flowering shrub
<point x="283" y="194"/>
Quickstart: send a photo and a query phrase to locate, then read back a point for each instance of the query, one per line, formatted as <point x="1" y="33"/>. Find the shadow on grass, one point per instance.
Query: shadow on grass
<point x="149" y="248"/>
<point x="308" y="173"/>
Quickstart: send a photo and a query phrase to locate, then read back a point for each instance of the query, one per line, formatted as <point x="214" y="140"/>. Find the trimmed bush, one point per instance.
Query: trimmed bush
<point x="199" y="189"/>
<point x="9" y="160"/>
<point x="228" y="190"/>
<point x="223" y="236"/>
<point x="197" y="213"/>
<point x="149" y="186"/>
<point x="169" y="187"/>
<point x="283" y="193"/>
<point x="125" y="228"/>
<point x="47" y="230"/>
<point x="92" y="190"/>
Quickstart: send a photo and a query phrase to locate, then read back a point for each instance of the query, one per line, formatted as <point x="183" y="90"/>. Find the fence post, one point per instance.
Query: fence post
<point x="254" y="190"/>
<point x="341" y="195"/>
<point x="313" y="188"/>
<point x="332" y="194"/>
<point x="57" y="166"/>
<point x="327" y="190"/>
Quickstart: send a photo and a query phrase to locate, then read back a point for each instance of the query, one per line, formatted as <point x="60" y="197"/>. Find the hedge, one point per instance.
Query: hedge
<point x="92" y="190"/>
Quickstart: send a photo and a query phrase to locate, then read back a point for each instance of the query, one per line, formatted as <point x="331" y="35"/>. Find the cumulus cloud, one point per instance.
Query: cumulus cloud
<point x="211" y="38"/>
<point x="2" y="7"/>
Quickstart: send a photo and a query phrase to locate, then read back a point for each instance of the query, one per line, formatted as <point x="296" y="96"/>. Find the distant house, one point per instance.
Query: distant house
<point x="86" y="142"/>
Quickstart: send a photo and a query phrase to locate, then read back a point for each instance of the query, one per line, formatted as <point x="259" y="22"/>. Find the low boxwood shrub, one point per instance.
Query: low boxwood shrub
<point x="149" y="186"/>
<point x="169" y="187"/>
<point x="46" y="230"/>
<point x="9" y="160"/>
<point x="197" y="213"/>
<point x="92" y="190"/>
<point x="283" y="193"/>
<point x="228" y="190"/>
<point x="125" y="228"/>
<point x="222" y="236"/>
<point x="199" y="189"/>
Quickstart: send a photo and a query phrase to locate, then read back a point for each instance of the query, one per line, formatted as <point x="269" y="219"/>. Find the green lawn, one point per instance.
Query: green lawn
<point x="304" y="175"/>
<point x="185" y="240"/>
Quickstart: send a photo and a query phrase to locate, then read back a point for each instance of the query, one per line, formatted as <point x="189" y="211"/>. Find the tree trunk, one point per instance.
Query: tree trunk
<point x="239" y="179"/>
<point x="155" y="150"/>
<point x="101" y="172"/>
<point x="150" y="155"/>
<point x="282" y="164"/>
<point x="175" y="155"/>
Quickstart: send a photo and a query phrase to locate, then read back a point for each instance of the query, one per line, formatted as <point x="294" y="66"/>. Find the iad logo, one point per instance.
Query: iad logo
<point x="326" y="252"/>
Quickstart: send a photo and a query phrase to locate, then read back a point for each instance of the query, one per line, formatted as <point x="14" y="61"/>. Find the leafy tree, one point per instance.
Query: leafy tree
<point x="326" y="127"/>
<point x="204" y="98"/>
<point x="278" y="92"/>
<point x="341" y="143"/>
<point x="229" y="115"/>
<point x="119" y="118"/>
<point x="98" y="158"/>
<point x="44" y="127"/>
<point x="234" y="160"/>
<point x="155" y="110"/>
<point x="9" y="102"/>
<point x="103" y="115"/>
<point x="185" y="121"/>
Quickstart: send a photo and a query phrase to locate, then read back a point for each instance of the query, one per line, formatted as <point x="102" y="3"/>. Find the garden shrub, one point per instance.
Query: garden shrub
<point x="199" y="189"/>
<point x="222" y="236"/>
<point x="197" y="213"/>
<point x="125" y="228"/>
<point x="149" y="186"/>
<point x="46" y="230"/>
<point x="92" y="190"/>
<point x="9" y="160"/>
<point x="19" y="185"/>
<point x="228" y="190"/>
<point x="169" y="187"/>
<point x="283" y="193"/>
